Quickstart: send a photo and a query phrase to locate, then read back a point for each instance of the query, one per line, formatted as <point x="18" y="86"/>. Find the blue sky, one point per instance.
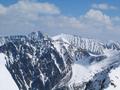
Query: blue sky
<point x="98" y="19"/>
<point x="74" y="7"/>
<point x="78" y="7"/>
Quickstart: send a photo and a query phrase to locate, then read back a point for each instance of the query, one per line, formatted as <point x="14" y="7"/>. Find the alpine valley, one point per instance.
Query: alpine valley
<point x="63" y="62"/>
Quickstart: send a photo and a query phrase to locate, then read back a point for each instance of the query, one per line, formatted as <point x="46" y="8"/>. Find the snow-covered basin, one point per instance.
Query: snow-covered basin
<point x="83" y="73"/>
<point x="6" y="80"/>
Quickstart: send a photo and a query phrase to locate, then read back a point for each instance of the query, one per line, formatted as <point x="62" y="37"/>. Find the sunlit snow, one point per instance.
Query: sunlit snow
<point x="6" y="81"/>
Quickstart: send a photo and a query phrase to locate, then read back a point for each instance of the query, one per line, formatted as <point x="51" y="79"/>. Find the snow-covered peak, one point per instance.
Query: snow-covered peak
<point x="63" y="62"/>
<point x="91" y="45"/>
<point x="93" y="60"/>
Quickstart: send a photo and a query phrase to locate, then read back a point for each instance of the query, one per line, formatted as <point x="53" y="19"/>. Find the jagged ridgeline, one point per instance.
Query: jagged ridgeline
<point x="63" y="62"/>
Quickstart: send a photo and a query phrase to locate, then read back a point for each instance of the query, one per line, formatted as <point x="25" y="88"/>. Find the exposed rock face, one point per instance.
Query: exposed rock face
<point x="64" y="62"/>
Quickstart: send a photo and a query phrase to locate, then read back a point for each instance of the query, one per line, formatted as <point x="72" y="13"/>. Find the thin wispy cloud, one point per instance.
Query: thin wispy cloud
<point x="104" y="6"/>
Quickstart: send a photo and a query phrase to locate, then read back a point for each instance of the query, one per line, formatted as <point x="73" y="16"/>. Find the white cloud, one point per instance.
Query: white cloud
<point x="2" y="9"/>
<point x="98" y="16"/>
<point x="37" y="8"/>
<point x="99" y="25"/>
<point x="30" y="16"/>
<point x="25" y="16"/>
<point x="104" y="6"/>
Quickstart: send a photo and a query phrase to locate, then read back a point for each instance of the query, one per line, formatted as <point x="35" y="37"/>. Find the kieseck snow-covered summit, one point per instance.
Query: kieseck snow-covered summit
<point x="62" y="62"/>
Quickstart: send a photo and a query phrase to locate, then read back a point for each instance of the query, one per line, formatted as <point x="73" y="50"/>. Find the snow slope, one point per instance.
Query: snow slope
<point x="6" y="81"/>
<point x="83" y="73"/>
<point x="115" y="79"/>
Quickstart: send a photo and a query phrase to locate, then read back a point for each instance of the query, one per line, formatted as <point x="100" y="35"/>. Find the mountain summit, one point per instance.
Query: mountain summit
<point x="62" y="62"/>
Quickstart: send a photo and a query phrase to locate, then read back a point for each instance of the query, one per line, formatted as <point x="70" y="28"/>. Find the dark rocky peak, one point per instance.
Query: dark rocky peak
<point x="33" y="63"/>
<point x="36" y="35"/>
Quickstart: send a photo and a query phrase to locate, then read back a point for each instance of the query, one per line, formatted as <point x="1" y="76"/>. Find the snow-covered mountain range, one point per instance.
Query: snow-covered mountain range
<point x="62" y="62"/>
